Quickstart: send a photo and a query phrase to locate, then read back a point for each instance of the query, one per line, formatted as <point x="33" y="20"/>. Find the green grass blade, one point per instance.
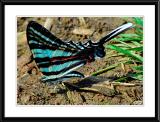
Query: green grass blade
<point x="128" y="35"/>
<point x="138" y="76"/>
<point x="126" y="39"/>
<point x="138" y="21"/>
<point x="126" y="52"/>
<point x="138" y="49"/>
<point x="107" y="69"/>
<point x="138" y="68"/>
<point x="125" y="44"/>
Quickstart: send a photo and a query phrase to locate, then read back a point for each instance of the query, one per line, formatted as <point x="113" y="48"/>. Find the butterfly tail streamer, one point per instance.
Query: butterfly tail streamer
<point x="115" y="32"/>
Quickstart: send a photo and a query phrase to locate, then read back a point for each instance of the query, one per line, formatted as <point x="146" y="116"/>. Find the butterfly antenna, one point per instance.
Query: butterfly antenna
<point x="115" y="32"/>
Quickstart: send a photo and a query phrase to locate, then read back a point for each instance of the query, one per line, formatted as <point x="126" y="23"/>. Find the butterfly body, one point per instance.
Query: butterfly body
<point x="58" y="59"/>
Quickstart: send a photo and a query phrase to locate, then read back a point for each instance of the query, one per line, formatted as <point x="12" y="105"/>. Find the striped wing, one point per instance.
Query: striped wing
<point x="56" y="59"/>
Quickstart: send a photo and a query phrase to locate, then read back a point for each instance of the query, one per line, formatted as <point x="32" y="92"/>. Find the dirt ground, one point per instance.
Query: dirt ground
<point x="92" y="90"/>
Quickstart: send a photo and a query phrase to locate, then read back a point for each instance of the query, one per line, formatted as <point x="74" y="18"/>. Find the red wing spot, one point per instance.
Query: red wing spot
<point x="63" y="58"/>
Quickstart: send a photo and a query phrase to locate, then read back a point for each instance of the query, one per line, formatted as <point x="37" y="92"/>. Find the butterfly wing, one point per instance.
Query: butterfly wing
<point x="56" y="59"/>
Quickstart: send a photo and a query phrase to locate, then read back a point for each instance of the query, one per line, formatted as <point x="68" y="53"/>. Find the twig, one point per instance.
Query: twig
<point x="108" y="68"/>
<point x="121" y="79"/>
<point x="126" y="84"/>
<point x="82" y="31"/>
<point x="82" y="21"/>
<point x="48" y="23"/>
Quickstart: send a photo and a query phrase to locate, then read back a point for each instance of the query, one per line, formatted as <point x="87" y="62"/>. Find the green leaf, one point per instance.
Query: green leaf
<point x="138" y="68"/>
<point x="138" y="76"/>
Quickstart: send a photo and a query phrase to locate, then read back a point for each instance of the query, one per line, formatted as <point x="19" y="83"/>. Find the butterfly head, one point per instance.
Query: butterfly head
<point x="99" y="52"/>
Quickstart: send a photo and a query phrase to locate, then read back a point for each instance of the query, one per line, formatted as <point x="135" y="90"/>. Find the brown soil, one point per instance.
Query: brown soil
<point x="92" y="90"/>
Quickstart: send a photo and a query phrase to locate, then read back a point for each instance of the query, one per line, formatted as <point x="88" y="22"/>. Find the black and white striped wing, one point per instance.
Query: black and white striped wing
<point x="56" y="59"/>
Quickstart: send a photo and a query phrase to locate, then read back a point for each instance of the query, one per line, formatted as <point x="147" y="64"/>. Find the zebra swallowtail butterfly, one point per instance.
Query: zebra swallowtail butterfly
<point x="57" y="59"/>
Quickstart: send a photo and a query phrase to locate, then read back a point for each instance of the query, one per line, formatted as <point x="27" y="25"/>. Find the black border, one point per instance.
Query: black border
<point x="79" y="2"/>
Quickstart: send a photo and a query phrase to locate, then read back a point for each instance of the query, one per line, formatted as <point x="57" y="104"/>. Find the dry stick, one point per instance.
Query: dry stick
<point x="20" y="38"/>
<point x="126" y="84"/>
<point x="121" y="79"/>
<point x="82" y="21"/>
<point x="108" y="68"/>
<point x="48" y="23"/>
<point x="82" y="31"/>
<point x="111" y="83"/>
<point x="90" y="89"/>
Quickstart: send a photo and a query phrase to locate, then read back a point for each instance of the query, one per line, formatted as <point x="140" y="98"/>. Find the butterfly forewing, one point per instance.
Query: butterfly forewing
<point x="56" y="59"/>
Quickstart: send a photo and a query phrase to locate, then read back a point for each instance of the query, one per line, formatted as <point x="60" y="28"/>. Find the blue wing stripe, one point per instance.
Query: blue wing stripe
<point x="38" y="39"/>
<point x="47" y="51"/>
<point x="45" y="62"/>
<point x="35" y="43"/>
<point x="47" y="39"/>
<point x="32" y="42"/>
<point x="60" y="75"/>
<point x="65" y="69"/>
<point x="55" y="68"/>
<point x="45" y="35"/>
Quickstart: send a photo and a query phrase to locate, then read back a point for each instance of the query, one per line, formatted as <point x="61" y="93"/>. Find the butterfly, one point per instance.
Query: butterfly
<point x="57" y="59"/>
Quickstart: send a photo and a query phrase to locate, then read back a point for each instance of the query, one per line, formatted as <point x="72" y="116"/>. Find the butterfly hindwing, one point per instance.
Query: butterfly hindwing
<point x="56" y="59"/>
